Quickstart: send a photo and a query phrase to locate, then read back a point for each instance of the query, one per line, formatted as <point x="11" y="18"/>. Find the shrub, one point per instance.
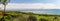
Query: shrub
<point x="32" y="18"/>
<point x="43" y="19"/>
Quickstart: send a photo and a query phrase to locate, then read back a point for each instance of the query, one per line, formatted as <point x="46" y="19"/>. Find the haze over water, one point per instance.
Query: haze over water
<point x="42" y="11"/>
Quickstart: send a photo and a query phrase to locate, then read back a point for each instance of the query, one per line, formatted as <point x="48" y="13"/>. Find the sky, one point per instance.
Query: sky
<point x="32" y="1"/>
<point x="33" y="4"/>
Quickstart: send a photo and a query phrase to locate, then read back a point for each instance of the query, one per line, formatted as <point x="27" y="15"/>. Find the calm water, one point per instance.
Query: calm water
<point x="44" y="11"/>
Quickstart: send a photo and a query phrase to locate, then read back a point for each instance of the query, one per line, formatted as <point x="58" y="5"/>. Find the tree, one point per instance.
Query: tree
<point x="4" y="2"/>
<point x="32" y="18"/>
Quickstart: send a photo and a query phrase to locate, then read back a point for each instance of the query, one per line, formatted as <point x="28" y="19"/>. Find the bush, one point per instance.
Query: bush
<point x="32" y="18"/>
<point x="43" y="19"/>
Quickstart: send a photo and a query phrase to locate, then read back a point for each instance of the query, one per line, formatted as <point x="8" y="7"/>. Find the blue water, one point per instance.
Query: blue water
<point x="45" y="11"/>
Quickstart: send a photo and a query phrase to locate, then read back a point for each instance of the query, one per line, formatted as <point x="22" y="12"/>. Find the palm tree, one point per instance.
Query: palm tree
<point x="4" y="2"/>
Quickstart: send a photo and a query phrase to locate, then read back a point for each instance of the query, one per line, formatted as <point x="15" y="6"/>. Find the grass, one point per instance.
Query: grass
<point x="23" y="16"/>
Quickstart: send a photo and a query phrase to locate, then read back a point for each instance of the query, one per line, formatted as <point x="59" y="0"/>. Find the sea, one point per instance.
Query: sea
<point x="41" y="11"/>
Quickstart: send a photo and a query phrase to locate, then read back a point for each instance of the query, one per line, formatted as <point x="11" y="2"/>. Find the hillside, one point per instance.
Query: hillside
<point x="23" y="16"/>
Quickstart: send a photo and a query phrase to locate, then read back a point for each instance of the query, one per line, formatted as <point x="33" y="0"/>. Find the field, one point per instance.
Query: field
<point x="28" y="16"/>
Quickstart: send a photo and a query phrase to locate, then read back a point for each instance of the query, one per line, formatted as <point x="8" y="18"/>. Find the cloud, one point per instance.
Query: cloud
<point x="31" y="6"/>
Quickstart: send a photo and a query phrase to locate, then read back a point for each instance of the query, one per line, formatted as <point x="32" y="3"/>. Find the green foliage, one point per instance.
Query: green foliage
<point x="4" y="2"/>
<point x="22" y="16"/>
<point x="0" y="0"/>
<point x="7" y="17"/>
<point x="32" y="18"/>
<point x="43" y="19"/>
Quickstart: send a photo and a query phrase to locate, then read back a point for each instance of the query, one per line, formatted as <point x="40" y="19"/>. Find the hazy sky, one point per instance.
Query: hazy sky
<point x="33" y="4"/>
